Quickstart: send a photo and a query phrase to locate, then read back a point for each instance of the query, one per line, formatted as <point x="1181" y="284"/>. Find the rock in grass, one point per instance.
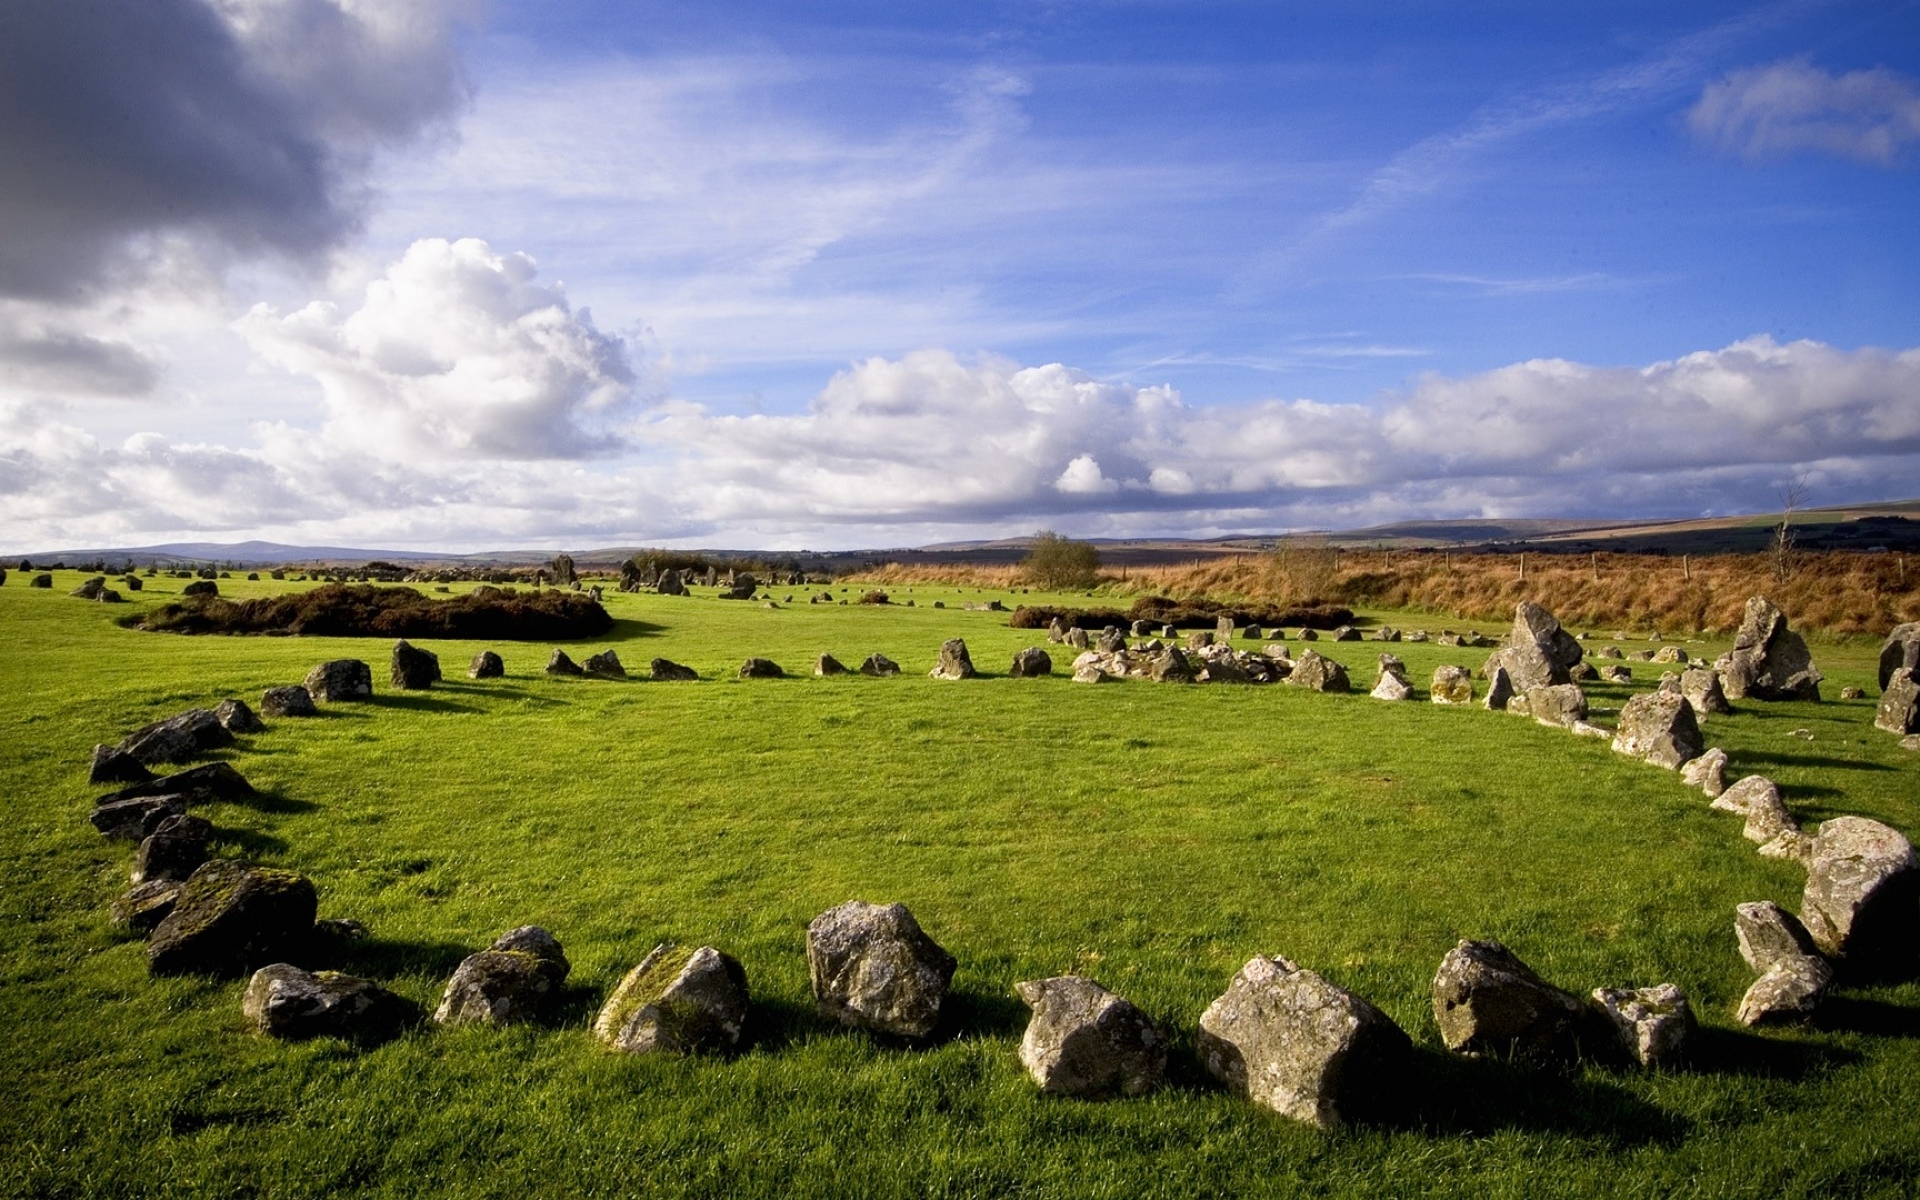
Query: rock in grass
<point x="236" y="717"/>
<point x="1488" y="1002"/>
<point x="145" y="905"/>
<point x="761" y="668"/>
<point x="40" y="581"/>
<point x="1770" y="935"/>
<point x="133" y="819"/>
<point x="1452" y="685"/>
<point x="1654" y="1024"/>
<point x="174" y="850"/>
<point x="231" y="918"/>
<point x="181" y="738"/>
<point x="340" y="680"/>
<point x="560" y="663"/>
<point x="1170" y="666"/>
<point x="954" y="661"/>
<point x="507" y="982"/>
<point x="486" y="665"/>
<point x="879" y="666"/>
<point x="111" y="764"/>
<point x="1900" y="651"/>
<point x="1321" y="674"/>
<point x="1392" y="685"/>
<point x="414" y="669"/>
<point x="290" y="701"/>
<point x="1707" y="772"/>
<point x="872" y="967"/>
<point x="1658" y="727"/>
<point x="1086" y="1042"/>
<point x="1768" y="661"/>
<point x="1289" y="1040"/>
<point x="1499" y="688"/>
<point x="606" y="665"/>
<point x="1031" y="663"/>
<point x="1787" y="992"/>
<point x="1758" y="799"/>
<point x="1562" y="706"/>
<point x="1701" y="687"/>
<point x="199" y="785"/>
<point x="676" y="1002"/>
<point x="827" y="664"/>
<point x="665" y="670"/>
<point x="1862" y="893"/>
<point x="1538" y="652"/>
<point x="284" y="1001"/>
<point x="1899" y="710"/>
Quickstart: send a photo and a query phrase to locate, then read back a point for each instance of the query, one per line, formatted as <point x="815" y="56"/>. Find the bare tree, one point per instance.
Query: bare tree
<point x="1793" y="498"/>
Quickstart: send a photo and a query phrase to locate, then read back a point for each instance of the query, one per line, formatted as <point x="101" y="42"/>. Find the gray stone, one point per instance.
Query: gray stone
<point x="561" y="663"/>
<point x="230" y="918"/>
<point x="1758" y="799"/>
<point x="1086" y="1042"/>
<point x="339" y="680"/>
<point x="1488" y="1002"/>
<point x="186" y="736"/>
<point x="110" y="764"/>
<point x="1452" y="685"/>
<point x="284" y="1001"/>
<point x="1308" y="634"/>
<point x="827" y="664"/>
<point x="1899" y="710"/>
<point x="1707" y="772"/>
<point x="1142" y="629"/>
<point x="1075" y="638"/>
<point x="507" y="982"/>
<point x="1346" y="633"/>
<point x="1170" y="666"/>
<point x="1770" y="935"/>
<point x="676" y="1002"/>
<point x="954" y="662"/>
<point x="872" y="967"/>
<point x="486" y="665"/>
<point x="1561" y="706"/>
<point x="1538" y="652"/>
<point x="879" y="666"/>
<point x="1852" y="692"/>
<point x="1659" y="728"/>
<point x="40" y="581"/>
<point x="1901" y="649"/>
<point x="1701" y="687"/>
<point x="236" y="717"/>
<point x="761" y="668"/>
<point x="1789" y="844"/>
<point x="1289" y="1040"/>
<point x="1199" y="639"/>
<point x="1617" y="674"/>
<point x="1787" y="993"/>
<point x="1311" y="670"/>
<point x="605" y="664"/>
<point x="1768" y="661"/>
<point x="1863" y="889"/>
<point x="1654" y="1024"/>
<point x="665" y="670"/>
<point x="1670" y="654"/>
<point x="1499" y="688"/>
<point x="413" y="669"/>
<point x="1112" y="641"/>
<point x="1392" y="685"/>
<point x="145" y="905"/>
<point x="290" y="701"/>
<point x="200" y="785"/>
<point x="133" y="819"/>
<point x="174" y="850"/>
<point x="1031" y="662"/>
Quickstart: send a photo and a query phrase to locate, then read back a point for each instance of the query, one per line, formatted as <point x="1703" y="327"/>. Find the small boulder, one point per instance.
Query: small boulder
<point x="176" y="848"/>
<point x="560" y="663"/>
<point x="1346" y="633"/>
<point x="1029" y="663"/>
<point x="873" y="968"/>
<point x="1863" y="888"/>
<point x="1075" y="638"/>
<point x="340" y="680"/>
<point x="486" y="665"/>
<point x="133" y="819"/>
<point x="1654" y="1024"/>
<point x="1758" y="799"/>
<point x="1086" y="1042"/>
<point x="284" y="1001"/>
<point x="199" y="785"/>
<point x="1488" y="1002"/>
<point x="1499" y="688"/>
<point x="1452" y="685"/>
<point x="201" y="587"/>
<point x="761" y="668"/>
<point x="1788" y="992"/>
<point x="1311" y="670"/>
<point x="605" y="665"/>
<point x="665" y="670"/>
<point x="1562" y="706"/>
<point x="236" y="717"/>
<point x="1392" y="685"/>
<point x="414" y="669"/>
<point x="879" y="666"/>
<point x="1707" y="772"/>
<point x="40" y="581"/>
<point x="1112" y="641"/>
<point x="290" y="701"/>
<point x="1171" y="665"/>
<point x="1853" y="692"/>
<point x="145" y="905"/>
<point x="1899" y="710"/>
<point x="507" y="982"/>
<point x="1770" y="935"/>
<point x="231" y="918"/>
<point x="676" y="1002"/>
<point x="111" y="764"/>
<point x="1658" y="727"/>
<point x="1199" y="639"/>
<point x="189" y="735"/>
<point x="954" y="662"/>
<point x="1900" y="651"/>
<point x="827" y="664"/>
<point x="1701" y="687"/>
<point x="1291" y="1041"/>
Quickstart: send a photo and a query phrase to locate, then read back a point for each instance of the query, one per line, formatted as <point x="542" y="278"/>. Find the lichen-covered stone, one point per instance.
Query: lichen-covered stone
<point x="181" y="738"/>
<point x="827" y="665"/>
<point x="1899" y="709"/>
<point x="561" y="663"/>
<point x="1658" y="727"/>
<point x="230" y="918"/>
<point x="1862" y="899"/>
<point x="236" y="717"/>
<point x="665" y="670"/>
<point x="1900" y="651"/>
<point x="954" y="661"/>
<point x="1789" y="991"/>
<point x="1654" y="1024"/>
<point x="1488" y="1002"/>
<point x="1392" y="685"/>
<point x="486" y="665"/>
<point x="1758" y="799"/>
<point x="110" y="764"/>
<point x="1768" y="661"/>
<point x="1561" y="706"/>
<point x="135" y="818"/>
<point x="414" y="669"/>
<point x="1321" y="674"/>
<point x="676" y="1002"/>
<point x="872" y="967"/>
<point x="1770" y="935"/>
<point x="761" y="668"/>
<point x="879" y="666"/>
<point x="174" y="850"/>
<point x="145" y="905"/>
<point x="1451" y="685"/>
<point x="605" y="664"/>
<point x="284" y="1001"/>
<point x="292" y="700"/>
<point x="507" y="982"/>
<point x="1701" y="687"/>
<point x="1030" y="663"/>
<point x="1086" y="1042"/>
<point x="339" y="680"/>
<point x="200" y="785"/>
<point x="1707" y="772"/>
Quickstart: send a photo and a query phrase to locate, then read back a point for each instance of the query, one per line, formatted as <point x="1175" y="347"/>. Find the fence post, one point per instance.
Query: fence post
<point x="1596" y="567"/>
<point x="1686" y="569"/>
<point x="1523" y="567"/>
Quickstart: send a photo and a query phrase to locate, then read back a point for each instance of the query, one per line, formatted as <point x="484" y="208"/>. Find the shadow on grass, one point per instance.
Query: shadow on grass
<point x="272" y="802"/>
<point x="250" y="843"/>
<point x="384" y="958"/>
<point x="1738" y="1053"/>
<point x="1776" y="758"/>
<point x="1876" y="1017"/>
<point x="419" y="702"/>
<point x="1450" y="1095"/>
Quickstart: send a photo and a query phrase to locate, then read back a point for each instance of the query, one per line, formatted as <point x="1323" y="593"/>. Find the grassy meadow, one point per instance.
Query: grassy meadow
<point x="1153" y="837"/>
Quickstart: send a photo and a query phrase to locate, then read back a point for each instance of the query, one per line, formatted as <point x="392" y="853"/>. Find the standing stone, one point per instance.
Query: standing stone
<point x="676" y="1002"/>
<point x="1658" y="727"/>
<point x="414" y="669"/>
<point x="1488" y="1002"/>
<point x="189" y="735"/>
<point x="1289" y="1040"/>
<point x="1768" y="661"/>
<point x="1538" y="652"/>
<point x="1901" y="649"/>
<point x="560" y="663"/>
<point x="1056" y="630"/>
<point x="563" y="575"/>
<point x="827" y="664"/>
<point x="1899" y="711"/>
<point x="1311" y="670"/>
<point x="284" y="1001"/>
<point x="111" y="764"/>
<point x="40" y="581"/>
<point x="175" y="849"/>
<point x="1499" y="687"/>
<point x="1452" y="685"/>
<point x="1223" y="630"/>
<point x="1112" y="641"/>
<point x="761" y="668"/>
<point x="670" y="584"/>
<point x="665" y="670"/>
<point x="230" y="918"/>
<point x="879" y="666"/>
<point x="1142" y="629"/>
<point x="1707" y="772"/>
<point x="1863" y="888"/>
<point x="507" y="982"/>
<point x="1029" y="663"/>
<point x="1392" y="685"/>
<point x="1086" y="1042"/>
<point x="873" y="968"/>
<point x="954" y="662"/>
<point x="1654" y="1024"/>
<point x="486" y="665"/>
<point x="235" y="717"/>
<point x="290" y="701"/>
<point x="605" y="664"/>
<point x="1199" y="639"/>
<point x="1170" y="666"/>
<point x="339" y="680"/>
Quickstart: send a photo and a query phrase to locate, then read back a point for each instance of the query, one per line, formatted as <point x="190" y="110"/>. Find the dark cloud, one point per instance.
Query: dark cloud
<point x="66" y="363"/>
<point x="245" y="126"/>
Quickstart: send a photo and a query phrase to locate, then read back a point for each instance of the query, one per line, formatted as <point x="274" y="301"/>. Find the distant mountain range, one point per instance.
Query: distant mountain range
<point x="1892" y="525"/>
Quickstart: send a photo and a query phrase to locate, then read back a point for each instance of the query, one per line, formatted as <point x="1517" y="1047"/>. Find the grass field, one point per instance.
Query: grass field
<point x="1153" y="837"/>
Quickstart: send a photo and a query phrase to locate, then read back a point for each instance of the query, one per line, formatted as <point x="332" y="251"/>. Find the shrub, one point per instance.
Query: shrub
<point x="1040" y="616"/>
<point x="340" y="610"/>
<point x="1060" y="563"/>
<point x="875" y="598"/>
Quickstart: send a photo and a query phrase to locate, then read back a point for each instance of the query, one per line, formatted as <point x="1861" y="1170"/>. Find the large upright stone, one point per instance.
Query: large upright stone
<point x="1901" y="649"/>
<point x="676" y="1001"/>
<point x="284" y="1001"/>
<point x="1658" y="727"/>
<point x="1312" y="670"/>
<point x="1770" y="935"/>
<point x="1862" y="899"/>
<point x="181" y="738"/>
<point x="230" y="918"/>
<point x="1538" y="652"/>
<point x="507" y="982"/>
<point x="872" y="967"/>
<point x="1030" y="663"/>
<point x="414" y="669"/>
<point x="1392" y="684"/>
<point x="561" y="663"/>
<point x="1086" y="1042"/>
<point x="1562" y="706"/>
<point x="954" y="662"/>
<point x="341" y="679"/>
<point x="1488" y="1002"/>
<point x="1289" y="1040"/>
<point x="1768" y="661"/>
<point x="1500" y="691"/>
<point x="827" y="665"/>
<point x="1899" y="710"/>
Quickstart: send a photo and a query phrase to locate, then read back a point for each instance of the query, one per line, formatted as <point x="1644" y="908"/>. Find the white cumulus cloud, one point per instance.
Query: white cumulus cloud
<point x="1794" y="107"/>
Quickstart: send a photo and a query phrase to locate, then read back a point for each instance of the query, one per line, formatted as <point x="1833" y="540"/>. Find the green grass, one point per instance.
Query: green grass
<point x="1153" y="837"/>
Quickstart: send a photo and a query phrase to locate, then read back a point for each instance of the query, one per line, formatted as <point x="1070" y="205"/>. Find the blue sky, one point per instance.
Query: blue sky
<point x="858" y="274"/>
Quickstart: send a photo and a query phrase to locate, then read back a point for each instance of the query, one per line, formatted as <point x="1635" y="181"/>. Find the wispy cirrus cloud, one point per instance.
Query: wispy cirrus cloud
<point x="1794" y="107"/>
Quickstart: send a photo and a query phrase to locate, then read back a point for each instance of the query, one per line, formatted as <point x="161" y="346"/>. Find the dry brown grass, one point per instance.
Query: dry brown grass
<point x="1837" y="594"/>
